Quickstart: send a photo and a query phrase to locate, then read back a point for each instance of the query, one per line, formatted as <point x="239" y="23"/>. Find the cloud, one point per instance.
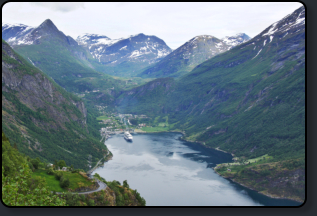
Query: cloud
<point x="60" y="6"/>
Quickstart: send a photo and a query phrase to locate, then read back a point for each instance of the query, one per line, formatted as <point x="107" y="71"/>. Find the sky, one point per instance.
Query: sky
<point x="174" y="22"/>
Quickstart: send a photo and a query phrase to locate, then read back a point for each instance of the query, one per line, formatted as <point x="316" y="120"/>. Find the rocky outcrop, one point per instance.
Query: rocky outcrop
<point x="34" y="107"/>
<point x="37" y="92"/>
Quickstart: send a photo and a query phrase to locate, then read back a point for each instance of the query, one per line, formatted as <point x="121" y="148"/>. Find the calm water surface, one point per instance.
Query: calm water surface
<point x="167" y="171"/>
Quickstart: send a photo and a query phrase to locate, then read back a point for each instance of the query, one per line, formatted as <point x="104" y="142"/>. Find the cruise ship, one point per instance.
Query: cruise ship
<point x="128" y="136"/>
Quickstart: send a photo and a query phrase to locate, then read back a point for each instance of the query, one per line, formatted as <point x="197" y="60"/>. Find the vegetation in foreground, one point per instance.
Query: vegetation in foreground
<point x="30" y="182"/>
<point x="19" y="188"/>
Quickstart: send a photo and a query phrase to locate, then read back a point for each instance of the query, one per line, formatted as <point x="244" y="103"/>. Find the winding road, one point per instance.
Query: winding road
<point x="101" y="187"/>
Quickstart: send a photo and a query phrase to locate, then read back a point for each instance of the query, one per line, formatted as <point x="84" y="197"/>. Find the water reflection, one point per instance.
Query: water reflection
<point x="170" y="172"/>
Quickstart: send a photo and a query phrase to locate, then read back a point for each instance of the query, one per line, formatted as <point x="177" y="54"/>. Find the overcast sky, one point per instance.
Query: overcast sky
<point x="175" y="23"/>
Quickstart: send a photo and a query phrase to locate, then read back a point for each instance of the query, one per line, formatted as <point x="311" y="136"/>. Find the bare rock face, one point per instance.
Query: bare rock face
<point x="37" y="92"/>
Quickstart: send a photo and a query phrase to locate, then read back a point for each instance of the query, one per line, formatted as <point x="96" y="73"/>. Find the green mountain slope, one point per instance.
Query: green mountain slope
<point x="185" y="58"/>
<point x="249" y="100"/>
<point x="69" y="64"/>
<point x="192" y="53"/>
<point x="42" y="118"/>
<point x="148" y="98"/>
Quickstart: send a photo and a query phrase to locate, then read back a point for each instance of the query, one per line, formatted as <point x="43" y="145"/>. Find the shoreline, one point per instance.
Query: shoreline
<point x="265" y="194"/>
<point x="203" y="144"/>
<point x="99" y="165"/>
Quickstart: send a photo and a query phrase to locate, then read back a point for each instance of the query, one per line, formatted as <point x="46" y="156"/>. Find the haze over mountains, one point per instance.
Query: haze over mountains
<point x="129" y="56"/>
<point x="246" y="96"/>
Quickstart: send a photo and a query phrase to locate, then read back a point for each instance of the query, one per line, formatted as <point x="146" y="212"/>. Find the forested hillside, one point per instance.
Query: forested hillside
<point x="249" y="100"/>
<point x="18" y="187"/>
<point x="42" y="118"/>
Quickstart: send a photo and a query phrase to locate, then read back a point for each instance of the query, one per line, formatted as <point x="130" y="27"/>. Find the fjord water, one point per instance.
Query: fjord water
<point x="167" y="171"/>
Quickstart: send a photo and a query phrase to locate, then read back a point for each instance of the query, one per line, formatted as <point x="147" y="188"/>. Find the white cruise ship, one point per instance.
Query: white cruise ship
<point x="128" y="136"/>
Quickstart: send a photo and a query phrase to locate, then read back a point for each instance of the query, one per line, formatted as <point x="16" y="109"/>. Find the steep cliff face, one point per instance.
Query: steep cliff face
<point x="39" y="115"/>
<point x="36" y="91"/>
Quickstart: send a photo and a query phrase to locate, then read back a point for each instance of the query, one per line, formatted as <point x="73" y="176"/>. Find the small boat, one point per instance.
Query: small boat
<point x="128" y="136"/>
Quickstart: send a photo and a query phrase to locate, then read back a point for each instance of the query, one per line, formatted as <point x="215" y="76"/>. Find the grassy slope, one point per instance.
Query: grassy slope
<point x="76" y="180"/>
<point x="245" y="103"/>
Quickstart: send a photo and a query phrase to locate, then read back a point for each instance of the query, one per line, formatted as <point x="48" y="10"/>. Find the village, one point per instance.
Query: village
<point x="119" y="123"/>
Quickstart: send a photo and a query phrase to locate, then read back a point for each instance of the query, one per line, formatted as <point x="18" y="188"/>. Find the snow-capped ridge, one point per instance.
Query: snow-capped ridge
<point x="236" y="39"/>
<point x="138" y="47"/>
<point x="293" y="20"/>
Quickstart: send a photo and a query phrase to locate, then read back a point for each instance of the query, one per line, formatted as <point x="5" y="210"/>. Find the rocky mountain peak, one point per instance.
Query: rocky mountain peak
<point x="294" y="21"/>
<point x="89" y="39"/>
<point x="236" y="39"/>
<point x="19" y="34"/>
<point x="135" y="48"/>
<point x="138" y="35"/>
<point x="47" y="28"/>
<point x="12" y="32"/>
<point x="47" y="23"/>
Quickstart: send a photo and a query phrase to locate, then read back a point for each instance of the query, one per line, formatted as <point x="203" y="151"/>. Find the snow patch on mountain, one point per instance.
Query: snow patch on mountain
<point x="235" y="40"/>
<point x="139" y="47"/>
<point x="257" y="54"/>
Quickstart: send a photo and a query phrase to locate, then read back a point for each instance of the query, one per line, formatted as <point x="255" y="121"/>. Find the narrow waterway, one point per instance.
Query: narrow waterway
<point x="167" y="171"/>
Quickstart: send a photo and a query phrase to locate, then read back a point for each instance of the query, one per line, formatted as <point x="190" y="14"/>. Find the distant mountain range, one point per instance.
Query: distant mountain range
<point x="61" y="58"/>
<point x="129" y="56"/>
<point x="192" y="53"/>
<point x="122" y="56"/>
<point x="136" y="48"/>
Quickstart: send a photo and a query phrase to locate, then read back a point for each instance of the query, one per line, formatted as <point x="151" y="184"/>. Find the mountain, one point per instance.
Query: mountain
<point x="235" y="40"/>
<point x="60" y="57"/>
<point x="149" y="98"/>
<point x="12" y="32"/>
<point x="191" y="54"/>
<point x="124" y="56"/>
<point x="20" y="34"/>
<point x="249" y="100"/>
<point x="42" y="118"/>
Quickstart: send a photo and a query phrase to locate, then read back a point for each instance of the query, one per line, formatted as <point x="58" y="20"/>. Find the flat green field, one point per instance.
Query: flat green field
<point x="155" y="129"/>
<point x="266" y="156"/>
<point x="76" y="180"/>
<point x="102" y="118"/>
